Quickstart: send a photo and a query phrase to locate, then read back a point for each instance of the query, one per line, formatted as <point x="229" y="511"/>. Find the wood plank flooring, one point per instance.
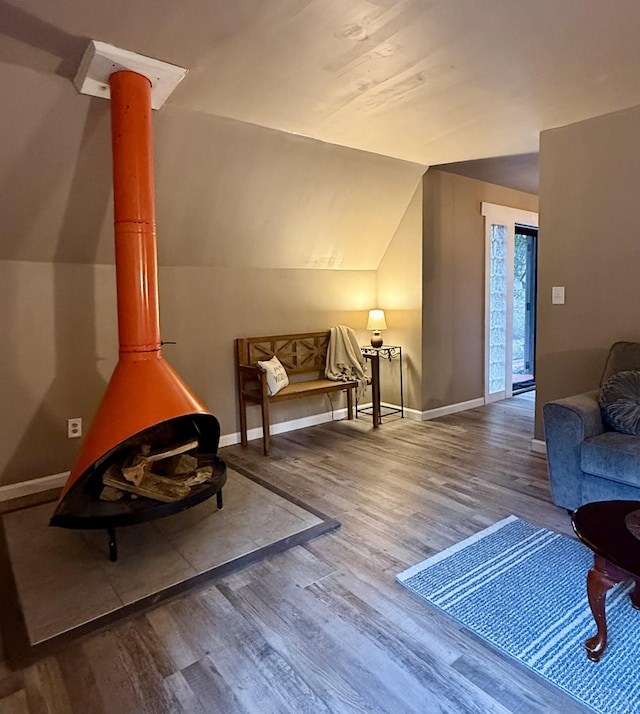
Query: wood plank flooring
<point x="324" y="627"/>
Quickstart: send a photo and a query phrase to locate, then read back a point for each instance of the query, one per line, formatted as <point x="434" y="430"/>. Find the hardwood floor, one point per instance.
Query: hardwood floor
<point x="324" y="627"/>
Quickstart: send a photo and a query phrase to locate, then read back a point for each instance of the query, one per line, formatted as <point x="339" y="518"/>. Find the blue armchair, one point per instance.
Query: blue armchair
<point x="587" y="460"/>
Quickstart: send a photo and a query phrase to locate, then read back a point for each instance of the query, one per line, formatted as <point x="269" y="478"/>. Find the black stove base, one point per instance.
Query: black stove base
<point x="81" y="509"/>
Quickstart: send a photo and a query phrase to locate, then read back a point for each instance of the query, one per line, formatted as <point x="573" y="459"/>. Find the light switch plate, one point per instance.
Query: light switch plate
<point x="557" y="296"/>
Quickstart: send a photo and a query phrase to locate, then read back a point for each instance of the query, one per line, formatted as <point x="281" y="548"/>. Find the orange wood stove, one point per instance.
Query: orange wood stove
<point x="146" y="402"/>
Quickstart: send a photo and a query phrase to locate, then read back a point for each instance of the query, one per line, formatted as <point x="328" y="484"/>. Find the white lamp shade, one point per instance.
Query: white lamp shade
<point x="376" y="320"/>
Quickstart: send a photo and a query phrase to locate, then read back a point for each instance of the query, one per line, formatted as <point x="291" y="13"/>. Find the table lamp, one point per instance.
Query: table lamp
<point x="376" y="323"/>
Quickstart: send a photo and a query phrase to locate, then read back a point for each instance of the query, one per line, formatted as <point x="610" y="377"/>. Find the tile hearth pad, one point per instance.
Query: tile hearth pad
<point x="66" y="585"/>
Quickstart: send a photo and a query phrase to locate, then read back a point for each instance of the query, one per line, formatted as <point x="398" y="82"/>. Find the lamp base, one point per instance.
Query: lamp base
<point x="376" y="340"/>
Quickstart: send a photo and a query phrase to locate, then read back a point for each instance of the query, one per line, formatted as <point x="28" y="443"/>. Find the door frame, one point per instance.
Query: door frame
<point x="506" y="216"/>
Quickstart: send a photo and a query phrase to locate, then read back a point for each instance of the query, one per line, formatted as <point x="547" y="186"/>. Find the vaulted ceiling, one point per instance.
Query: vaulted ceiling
<point x="422" y="82"/>
<point x="428" y="81"/>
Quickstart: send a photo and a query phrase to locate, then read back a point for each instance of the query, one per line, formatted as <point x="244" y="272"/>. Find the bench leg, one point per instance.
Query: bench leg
<point x="243" y="422"/>
<point x="266" y="432"/>
<point x="350" y="392"/>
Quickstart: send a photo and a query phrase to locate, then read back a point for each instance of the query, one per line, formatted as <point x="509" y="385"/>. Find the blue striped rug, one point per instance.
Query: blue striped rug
<point x="523" y="590"/>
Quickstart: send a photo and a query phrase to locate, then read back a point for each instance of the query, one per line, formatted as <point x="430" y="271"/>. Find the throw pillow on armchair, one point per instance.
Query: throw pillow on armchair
<point x="620" y="402"/>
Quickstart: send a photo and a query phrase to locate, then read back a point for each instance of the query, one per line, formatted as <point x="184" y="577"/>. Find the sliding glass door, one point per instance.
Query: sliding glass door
<point x="524" y="308"/>
<point x="509" y="299"/>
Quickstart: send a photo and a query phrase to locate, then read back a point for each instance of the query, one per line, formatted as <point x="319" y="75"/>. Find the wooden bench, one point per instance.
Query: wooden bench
<point x="303" y="356"/>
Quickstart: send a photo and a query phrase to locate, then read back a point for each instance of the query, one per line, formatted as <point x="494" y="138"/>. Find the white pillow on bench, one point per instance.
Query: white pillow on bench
<point x="277" y="377"/>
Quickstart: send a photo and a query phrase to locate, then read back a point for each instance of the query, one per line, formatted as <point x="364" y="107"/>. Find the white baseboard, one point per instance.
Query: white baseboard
<point x="452" y="409"/>
<point x="230" y="439"/>
<point x="284" y="426"/>
<point x="539" y="446"/>
<point x="413" y="414"/>
<point x="26" y="488"/>
<point x="36" y="485"/>
<point x="408" y="413"/>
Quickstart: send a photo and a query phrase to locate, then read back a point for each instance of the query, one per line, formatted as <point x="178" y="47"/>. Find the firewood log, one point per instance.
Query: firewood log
<point x="139" y="464"/>
<point x="175" y="465"/>
<point x="159" y="488"/>
<point x="111" y="494"/>
<point x="204" y="473"/>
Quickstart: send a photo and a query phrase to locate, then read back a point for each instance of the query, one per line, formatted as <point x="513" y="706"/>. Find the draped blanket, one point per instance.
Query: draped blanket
<point x="345" y="362"/>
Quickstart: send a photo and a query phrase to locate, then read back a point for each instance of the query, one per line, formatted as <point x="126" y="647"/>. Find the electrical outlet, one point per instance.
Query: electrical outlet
<point x="74" y="428"/>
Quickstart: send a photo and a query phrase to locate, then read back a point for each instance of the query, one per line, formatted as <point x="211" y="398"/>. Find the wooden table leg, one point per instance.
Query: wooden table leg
<point x="599" y="581"/>
<point x="635" y="595"/>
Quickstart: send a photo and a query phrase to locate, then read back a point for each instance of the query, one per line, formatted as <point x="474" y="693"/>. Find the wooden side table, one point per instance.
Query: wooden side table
<point x="604" y="527"/>
<point x="377" y="409"/>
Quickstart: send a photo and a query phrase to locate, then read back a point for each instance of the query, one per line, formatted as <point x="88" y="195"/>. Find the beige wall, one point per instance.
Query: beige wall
<point x="61" y="331"/>
<point x="227" y="193"/>
<point x="589" y="177"/>
<point x="247" y="216"/>
<point x="248" y="220"/>
<point x="453" y="284"/>
<point x="61" y="342"/>
<point x="399" y="293"/>
<point x="232" y="194"/>
<point x="49" y="362"/>
<point x="223" y="304"/>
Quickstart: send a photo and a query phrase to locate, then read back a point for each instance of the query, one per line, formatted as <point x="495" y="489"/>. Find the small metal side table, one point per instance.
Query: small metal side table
<point x="377" y="409"/>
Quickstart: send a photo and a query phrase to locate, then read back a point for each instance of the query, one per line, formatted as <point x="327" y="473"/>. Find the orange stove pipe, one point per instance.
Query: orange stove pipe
<point x="134" y="214"/>
<point x="144" y="389"/>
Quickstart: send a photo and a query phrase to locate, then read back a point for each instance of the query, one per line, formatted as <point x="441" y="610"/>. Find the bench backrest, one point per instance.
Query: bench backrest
<point x="299" y="354"/>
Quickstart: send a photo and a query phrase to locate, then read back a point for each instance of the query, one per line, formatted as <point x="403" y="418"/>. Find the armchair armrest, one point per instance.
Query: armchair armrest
<point x="567" y="423"/>
<point x="582" y="409"/>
